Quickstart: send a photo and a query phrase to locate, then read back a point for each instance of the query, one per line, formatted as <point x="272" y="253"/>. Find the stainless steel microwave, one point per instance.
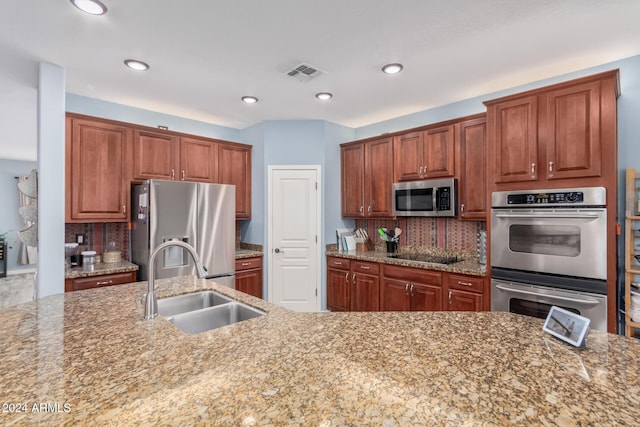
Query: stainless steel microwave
<point x="433" y="197"/>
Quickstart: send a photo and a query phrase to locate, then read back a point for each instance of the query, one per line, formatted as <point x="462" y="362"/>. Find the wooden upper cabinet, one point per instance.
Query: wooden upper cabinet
<point x="571" y="132"/>
<point x="198" y="160"/>
<point x="367" y="178"/>
<point x="378" y="179"/>
<point x="473" y="181"/>
<point x="561" y="132"/>
<point x="514" y="126"/>
<point x="98" y="181"/>
<point x="424" y="155"/>
<point x="438" y="152"/>
<point x="352" y="176"/>
<point x="407" y="157"/>
<point x="155" y="155"/>
<point x="234" y="168"/>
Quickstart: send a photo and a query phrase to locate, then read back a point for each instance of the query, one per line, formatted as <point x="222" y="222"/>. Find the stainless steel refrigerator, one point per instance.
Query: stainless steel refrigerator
<point x="202" y="215"/>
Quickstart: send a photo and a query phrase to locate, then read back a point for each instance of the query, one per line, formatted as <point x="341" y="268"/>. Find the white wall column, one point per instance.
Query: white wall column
<point x="51" y="197"/>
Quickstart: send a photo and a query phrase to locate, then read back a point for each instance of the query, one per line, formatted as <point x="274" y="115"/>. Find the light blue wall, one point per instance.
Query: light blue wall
<point x="254" y="231"/>
<point x="9" y="217"/>
<point x="51" y="173"/>
<point x="109" y="110"/>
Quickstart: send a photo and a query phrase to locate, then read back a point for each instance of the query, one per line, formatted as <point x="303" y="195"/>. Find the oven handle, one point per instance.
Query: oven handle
<point x="579" y="301"/>
<point x="551" y="216"/>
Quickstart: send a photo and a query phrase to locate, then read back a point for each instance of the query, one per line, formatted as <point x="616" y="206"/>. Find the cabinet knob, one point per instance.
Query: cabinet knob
<point x="353" y="278"/>
<point x="449" y="297"/>
<point x="406" y="289"/>
<point x="550" y="169"/>
<point x="411" y="291"/>
<point x="183" y="175"/>
<point x="462" y="208"/>
<point x="173" y="174"/>
<point x="361" y="209"/>
<point x="124" y="209"/>
<point x="533" y="171"/>
<point x="420" y="171"/>
<point x="346" y="278"/>
<point x="369" y="210"/>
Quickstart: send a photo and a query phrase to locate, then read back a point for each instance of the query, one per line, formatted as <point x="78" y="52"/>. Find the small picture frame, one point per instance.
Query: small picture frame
<point x="567" y="326"/>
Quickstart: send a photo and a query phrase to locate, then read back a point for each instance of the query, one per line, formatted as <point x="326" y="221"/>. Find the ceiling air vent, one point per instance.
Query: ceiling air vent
<point x="303" y="72"/>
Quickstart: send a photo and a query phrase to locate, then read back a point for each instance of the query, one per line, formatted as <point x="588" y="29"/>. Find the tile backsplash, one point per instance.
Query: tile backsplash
<point x="443" y="233"/>
<point x="99" y="235"/>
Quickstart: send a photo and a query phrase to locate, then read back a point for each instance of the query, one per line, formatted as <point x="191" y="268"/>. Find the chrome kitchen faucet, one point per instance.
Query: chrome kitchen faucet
<point x="151" y="301"/>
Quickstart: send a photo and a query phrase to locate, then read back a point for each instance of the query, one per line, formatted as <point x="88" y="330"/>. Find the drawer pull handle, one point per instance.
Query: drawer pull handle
<point x="406" y="289"/>
<point x="464" y="283"/>
<point x="106" y="282"/>
<point x="411" y="289"/>
<point x="365" y="267"/>
<point x="337" y="262"/>
<point x="346" y="278"/>
<point x="244" y="264"/>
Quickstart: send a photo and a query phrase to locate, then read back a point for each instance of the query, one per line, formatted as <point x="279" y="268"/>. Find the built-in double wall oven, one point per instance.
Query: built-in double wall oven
<point x="549" y="247"/>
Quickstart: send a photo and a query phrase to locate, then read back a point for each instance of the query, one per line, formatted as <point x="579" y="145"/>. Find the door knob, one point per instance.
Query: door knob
<point x="278" y="251"/>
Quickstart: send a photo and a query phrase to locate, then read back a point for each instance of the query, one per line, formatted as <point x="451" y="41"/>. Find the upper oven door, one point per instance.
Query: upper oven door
<point x="571" y="242"/>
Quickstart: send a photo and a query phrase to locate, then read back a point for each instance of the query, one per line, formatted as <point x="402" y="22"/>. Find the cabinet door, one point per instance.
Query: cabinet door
<point x="395" y="295"/>
<point x="464" y="301"/>
<point x="438" y="155"/>
<point x="571" y="132"/>
<point x="250" y="282"/>
<point x="99" y="171"/>
<point x="235" y="169"/>
<point x="379" y="178"/>
<point x="473" y="178"/>
<point x="514" y="127"/>
<point x="352" y="172"/>
<point x="425" y="297"/>
<point x="198" y="160"/>
<point x="338" y="289"/>
<point x="408" y="160"/>
<point x="365" y="292"/>
<point x="155" y="155"/>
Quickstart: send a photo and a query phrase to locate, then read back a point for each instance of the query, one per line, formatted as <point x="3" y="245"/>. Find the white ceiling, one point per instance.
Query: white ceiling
<point x="205" y="55"/>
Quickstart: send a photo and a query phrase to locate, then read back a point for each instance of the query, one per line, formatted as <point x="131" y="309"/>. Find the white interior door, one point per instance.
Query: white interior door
<point x="293" y="237"/>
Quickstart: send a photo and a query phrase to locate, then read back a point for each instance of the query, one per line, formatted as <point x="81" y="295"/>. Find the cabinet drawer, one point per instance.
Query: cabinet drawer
<point x="408" y="274"/>
<point x="365" y="267"/>
<point x="104" y="280"/>
<point x="248" y="263"/>
<point x="341" y="263"/>
<point x="466" y="283"/>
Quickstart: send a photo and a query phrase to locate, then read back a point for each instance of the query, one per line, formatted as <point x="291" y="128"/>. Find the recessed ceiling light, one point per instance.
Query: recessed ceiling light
<point x="249" y="99"/>
<point x="93" y="7"/>
<point x="324" y="96"/>
<point x="392" y="68"/>
<point x="134" y="64"/>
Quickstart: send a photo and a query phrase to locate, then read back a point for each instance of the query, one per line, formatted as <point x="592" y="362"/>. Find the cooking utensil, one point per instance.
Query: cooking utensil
<point x="383" y="234"/>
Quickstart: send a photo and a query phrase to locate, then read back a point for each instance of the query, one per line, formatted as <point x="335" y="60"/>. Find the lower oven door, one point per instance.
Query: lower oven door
<point x="536" y="301"/>
<point x="570" y="242"/>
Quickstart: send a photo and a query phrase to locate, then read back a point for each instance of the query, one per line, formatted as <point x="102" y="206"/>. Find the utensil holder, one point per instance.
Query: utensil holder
<point x="392" y="247"/>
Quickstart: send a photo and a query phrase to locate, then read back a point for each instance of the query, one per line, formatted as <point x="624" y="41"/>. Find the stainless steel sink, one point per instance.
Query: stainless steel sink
<point x="172" y="306"/>
<point x="205" y="319"/>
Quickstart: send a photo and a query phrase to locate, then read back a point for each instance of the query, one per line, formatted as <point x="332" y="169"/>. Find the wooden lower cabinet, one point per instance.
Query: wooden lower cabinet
<point x="249" y="276"/>
<point x="354" y="285"/>
<point x="465" y="293"/>
<point x="101" y="281"/>
<point x="411" y="289"/>
<point x="365" y="286"/>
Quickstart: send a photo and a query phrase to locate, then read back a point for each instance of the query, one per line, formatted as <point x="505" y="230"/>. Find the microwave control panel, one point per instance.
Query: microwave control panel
<point x="546" y="198"/>
<point x="443" y="195"/>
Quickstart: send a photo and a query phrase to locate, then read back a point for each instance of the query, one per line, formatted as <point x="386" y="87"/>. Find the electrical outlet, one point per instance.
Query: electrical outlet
<point x="80" y="239"/>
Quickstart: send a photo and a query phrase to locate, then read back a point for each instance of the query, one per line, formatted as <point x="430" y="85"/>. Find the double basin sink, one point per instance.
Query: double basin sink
<point x="202" y="311"/>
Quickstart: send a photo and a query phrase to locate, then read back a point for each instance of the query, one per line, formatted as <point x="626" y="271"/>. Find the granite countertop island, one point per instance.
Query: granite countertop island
<point x="90" y="358"/>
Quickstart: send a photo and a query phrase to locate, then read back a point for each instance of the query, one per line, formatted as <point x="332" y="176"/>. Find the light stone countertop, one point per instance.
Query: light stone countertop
<point x="93" y="351"/>
<point x="99" y="268"/>
<point x="467" y="265"/>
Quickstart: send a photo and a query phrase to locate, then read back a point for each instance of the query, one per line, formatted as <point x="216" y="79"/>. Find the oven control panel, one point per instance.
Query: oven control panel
<point x="546" y="198"/>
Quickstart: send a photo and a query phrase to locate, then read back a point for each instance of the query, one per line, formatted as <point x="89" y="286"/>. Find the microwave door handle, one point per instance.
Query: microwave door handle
<point x="434" y="199"/>
<point x="574" y="300"/>
<point x="556" y="215"/>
